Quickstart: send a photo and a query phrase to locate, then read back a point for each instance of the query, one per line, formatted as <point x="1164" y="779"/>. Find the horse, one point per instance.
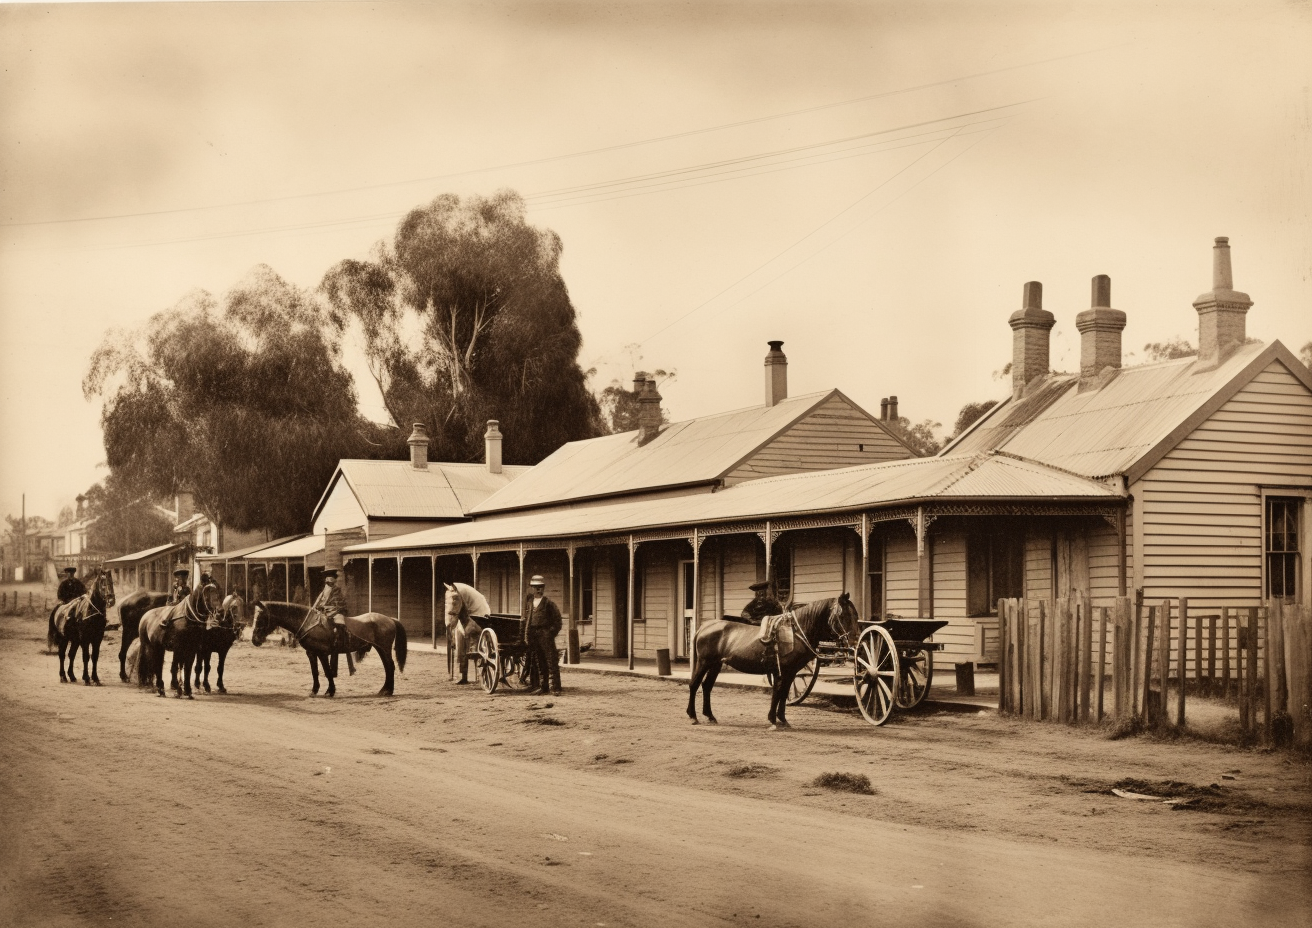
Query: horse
<point x="721" y="642"/>
<point x="81" y="623"/>
<point x="372" y="629"/>
<point x="220" y="632"/>
<point x="178" y="628"/>
<point x="130" y="611"/>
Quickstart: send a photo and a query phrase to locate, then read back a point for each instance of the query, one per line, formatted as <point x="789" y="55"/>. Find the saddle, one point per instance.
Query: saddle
<point x="777" y="634"/>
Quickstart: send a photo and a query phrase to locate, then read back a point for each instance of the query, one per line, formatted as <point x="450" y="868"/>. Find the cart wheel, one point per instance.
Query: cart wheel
<point x="917" y="673"/>
<point x="488" y="656"/>
<point x="876" y="675"/>
<point x="804" y="682"/>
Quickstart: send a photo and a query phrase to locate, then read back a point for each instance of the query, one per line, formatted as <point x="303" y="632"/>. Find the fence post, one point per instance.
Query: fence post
<point x="1102" y="657"/>
<point x="1198" y="656"/>
<point x="1252" y="667"/>
<point x="1002" y="656"/>
<point x="1225" y="652"/>
<point x="1018" y="623"/>
<point x="1045" y="666"/>
<point x="1275" y="641"/>
<point x="1211" y="655"/>
<point x="1298" y="661"/>
<point x="1164" y="655"/>
<point x="1265" y="613"/>
<point x="1148" y="663"/>
<point x="1136" y="648"/>
<point x="1182" y="652"/>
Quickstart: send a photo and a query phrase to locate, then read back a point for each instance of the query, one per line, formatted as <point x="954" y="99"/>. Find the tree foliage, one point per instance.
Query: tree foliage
<point x="970" y="414"/>
<point x="245" y="403"/>
<point x="465" y="318"/>
<point x="1305" y="354"/>
<point x="619" y="404"/>
<point x="920" y="437"/>
<point x="1169" y="350"/>
<point x="125" y="520"/>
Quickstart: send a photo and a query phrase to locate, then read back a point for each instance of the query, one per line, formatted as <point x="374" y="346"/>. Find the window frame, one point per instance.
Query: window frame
<point x="995" y="541"/>
<point x="1300" y="498"/>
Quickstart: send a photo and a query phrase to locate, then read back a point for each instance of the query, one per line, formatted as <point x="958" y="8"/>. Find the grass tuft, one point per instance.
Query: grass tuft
<point x="845" y="783"/>
<point x="751" y="771"/>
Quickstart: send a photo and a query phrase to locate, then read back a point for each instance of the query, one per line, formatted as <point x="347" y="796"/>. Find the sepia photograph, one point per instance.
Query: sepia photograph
<point x="646" y="464"/>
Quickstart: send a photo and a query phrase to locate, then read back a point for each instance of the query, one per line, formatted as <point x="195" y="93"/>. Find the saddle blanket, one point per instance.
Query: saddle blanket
<point x="777" y="633"/>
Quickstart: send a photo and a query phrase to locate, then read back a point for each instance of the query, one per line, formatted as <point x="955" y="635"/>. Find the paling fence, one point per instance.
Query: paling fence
<point x="1069" y="661"/>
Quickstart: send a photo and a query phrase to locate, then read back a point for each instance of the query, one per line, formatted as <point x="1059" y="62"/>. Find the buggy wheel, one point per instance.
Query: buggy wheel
<point x="488" y="656"/>
<point x="876" y="676"/>
<point x="804" y="682"/>
<point x="916" y="673"/>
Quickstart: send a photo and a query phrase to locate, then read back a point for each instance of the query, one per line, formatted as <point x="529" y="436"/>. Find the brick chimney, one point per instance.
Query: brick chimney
<point x="883" y="409"/>
<point x="1030" y="326"/>
<point x="649" y="407"/>
<point x="492" y="446"/>
<point x="1100" y="335"/>
<point x="776" y="374"/>
<point x="185" y="505"/>
<point x="81" y="506"/>
<point x="418" y="442"/>
<point x="892" y="409"/>
<point x="1221" y="312"/>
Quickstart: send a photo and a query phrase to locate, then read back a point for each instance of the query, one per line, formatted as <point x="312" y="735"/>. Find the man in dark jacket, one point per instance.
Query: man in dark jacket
<point x="181" y="588"/>
<point x="542" y="622"/>
<point x="764" y="604"/>
<point x="70" y="588"/>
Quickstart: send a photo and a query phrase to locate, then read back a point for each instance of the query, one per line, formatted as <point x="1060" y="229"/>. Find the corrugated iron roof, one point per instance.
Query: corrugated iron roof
<point x="297" y="547"/>
<point x="237" y="553"/>
<point x="866" y="486"/>
<point x="1103" y="432"/>
<point x="398" y="490"/>
<point x="144" y="555"/>
<point x="690" y="452"/>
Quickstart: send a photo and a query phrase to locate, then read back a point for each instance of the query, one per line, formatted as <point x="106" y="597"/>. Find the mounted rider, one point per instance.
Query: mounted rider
<point x="331" y="604"/>
<point x="70" y="588"/>
<point x="762" y="605"/>
<point x="181" y="588"/>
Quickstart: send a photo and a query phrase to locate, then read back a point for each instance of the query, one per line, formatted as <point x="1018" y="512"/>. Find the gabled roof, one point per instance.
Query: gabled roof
<point x="1128" y="424"/>
<point x="696" y="451"/>
<point x="190" y="523"/>
<point x="988" y="476"/>
<point x="145" y="555"/>
<point x="398" y="490"/>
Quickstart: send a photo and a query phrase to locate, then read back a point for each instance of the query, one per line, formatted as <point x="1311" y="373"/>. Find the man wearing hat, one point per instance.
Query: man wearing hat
<point x="764" y="604"/>
<point x="70" y="588"/>
<point x="331" y="602"/>
<point x="542" y="626"/>
<point x="181" y="588"/>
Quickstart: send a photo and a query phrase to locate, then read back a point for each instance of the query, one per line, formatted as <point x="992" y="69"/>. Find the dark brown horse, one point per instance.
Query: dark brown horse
<point x="81" y="623"/>
<point x="222" y="629"/>
<point x="178" y="628"/>
<point x="739" y="645"/>
<point x="322" y="643"/>
<point x="130" y="611"/>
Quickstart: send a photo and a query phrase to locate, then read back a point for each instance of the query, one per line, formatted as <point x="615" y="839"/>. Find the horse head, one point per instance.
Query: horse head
<point x="845" y="620"/>
<point x="104" y="587"/>
<point x="261" y="623"/>
<point x="233" y="611"/>
<point x="207" y="595"/>
<point x="455" y="606"/>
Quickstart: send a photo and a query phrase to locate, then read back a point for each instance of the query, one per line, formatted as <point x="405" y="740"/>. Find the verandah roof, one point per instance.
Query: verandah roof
<point x="992" y="476"/>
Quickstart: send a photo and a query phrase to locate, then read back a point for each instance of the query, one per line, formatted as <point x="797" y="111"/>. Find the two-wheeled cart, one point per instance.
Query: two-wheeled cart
<point x="500" y="654"/>
<point x="892" y="666"/>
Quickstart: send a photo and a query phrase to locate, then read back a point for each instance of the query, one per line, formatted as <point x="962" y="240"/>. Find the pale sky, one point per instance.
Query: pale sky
<point x="872" y="183"/>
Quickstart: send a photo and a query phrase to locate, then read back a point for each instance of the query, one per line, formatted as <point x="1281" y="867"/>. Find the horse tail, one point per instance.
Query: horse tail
<point x="144" y="669"/>
<point x="400" y="646"/>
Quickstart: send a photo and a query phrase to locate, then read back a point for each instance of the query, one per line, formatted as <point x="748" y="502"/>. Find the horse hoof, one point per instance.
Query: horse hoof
<point x="221" y="689"/>
<point x="189" y="696"/>
<point x="123" y="677"/>
<point x="695" y="722"/>
<point x="207" y="687"/>
<point x="711" y="720"/>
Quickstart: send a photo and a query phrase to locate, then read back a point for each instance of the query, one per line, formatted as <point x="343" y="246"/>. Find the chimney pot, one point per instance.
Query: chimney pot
<point x="1030" y="326"/>
<point x="492" y="447"/>
<point x="892" y="408"/>
<point x="883" y="409"/>
<point x="1100" y="335"/>
<point x="776" y="374"/>
<point x="649" y="409"/>
<point x="418" y="442"/>
<point x="1222" y="312"/>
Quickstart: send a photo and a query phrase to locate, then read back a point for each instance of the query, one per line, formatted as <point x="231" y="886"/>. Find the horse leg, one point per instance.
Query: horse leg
<point x="698" y="675"/>
<point x="332" y="675"/>
<point x="62" y="645"/>
<point x="95" y="662"/>
<point x="708" y="684"/>
<point x="124" y="643"/>
<point x="223" y="656"/>
<point x="314" y="669"/>
<point x="187" y="661"/>
<point x="85" y="648"/>
<point x="389" y="668"/>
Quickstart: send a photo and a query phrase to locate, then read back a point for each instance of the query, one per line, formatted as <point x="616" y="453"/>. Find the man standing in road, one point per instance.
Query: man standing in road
<point x="542" y="626"/>
<point x="70" y="588"/>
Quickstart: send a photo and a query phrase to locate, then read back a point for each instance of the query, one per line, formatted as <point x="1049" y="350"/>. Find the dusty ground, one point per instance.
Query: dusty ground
<point x="446" y="806"/>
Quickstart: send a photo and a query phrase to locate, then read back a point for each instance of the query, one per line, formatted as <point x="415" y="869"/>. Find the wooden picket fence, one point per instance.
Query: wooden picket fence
<point x="1070" y="661"/>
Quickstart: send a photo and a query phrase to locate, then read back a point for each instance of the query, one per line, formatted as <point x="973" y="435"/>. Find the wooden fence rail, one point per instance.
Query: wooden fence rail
<point x="1060" y="657"/>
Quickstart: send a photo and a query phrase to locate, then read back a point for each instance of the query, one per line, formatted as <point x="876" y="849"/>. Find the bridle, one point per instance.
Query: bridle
<point x="193" y="614"/>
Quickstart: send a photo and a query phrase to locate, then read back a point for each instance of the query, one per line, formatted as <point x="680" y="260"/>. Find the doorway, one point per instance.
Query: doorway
<point x="687" y="589"/>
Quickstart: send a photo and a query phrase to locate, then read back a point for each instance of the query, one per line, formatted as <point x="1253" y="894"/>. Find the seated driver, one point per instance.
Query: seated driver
<point x="762" y="605"/>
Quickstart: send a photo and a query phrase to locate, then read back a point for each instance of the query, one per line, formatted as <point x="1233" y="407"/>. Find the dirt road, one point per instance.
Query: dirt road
<point x="446" y="806"/>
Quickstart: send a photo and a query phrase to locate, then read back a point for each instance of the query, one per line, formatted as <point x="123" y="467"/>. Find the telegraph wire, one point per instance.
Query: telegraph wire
<point x="562" y="157"/>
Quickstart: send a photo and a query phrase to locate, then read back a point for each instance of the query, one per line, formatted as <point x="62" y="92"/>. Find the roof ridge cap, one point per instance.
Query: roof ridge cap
<point x="1045" y="465"/>
<point x="973" y="463"/>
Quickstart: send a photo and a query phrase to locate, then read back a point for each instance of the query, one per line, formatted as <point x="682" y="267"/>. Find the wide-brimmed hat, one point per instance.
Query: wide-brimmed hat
<point x="182" y="572"/>
<point x="757" y="587"/>
<point x="536" y="580"/>
<point x="329" y="573"/>
<point x="71" y="571"/>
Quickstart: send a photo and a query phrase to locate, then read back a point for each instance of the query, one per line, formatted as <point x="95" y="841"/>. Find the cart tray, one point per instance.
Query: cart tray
<point x="910" y="630"/>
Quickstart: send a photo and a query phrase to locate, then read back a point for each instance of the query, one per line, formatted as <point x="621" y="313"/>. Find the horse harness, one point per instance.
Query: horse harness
<point x="772" y="624"/>
<point x="307" y="625"/>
